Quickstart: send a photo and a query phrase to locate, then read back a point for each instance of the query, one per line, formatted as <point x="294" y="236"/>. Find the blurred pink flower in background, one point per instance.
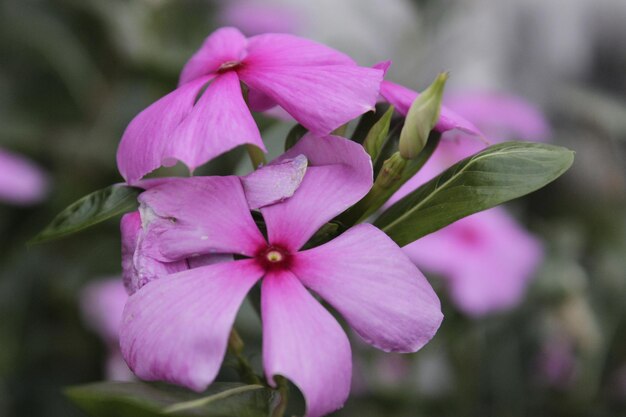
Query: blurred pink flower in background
<point x="102" y="303"/>
<point x="21" y="181"/>
<point x="254" y="18"/>
<point x="487" y="258"/>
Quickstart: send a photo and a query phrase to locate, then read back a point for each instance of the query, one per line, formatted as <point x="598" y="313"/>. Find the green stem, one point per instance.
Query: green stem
<point x="283" y="391"/>
<point x="244" y="369"/>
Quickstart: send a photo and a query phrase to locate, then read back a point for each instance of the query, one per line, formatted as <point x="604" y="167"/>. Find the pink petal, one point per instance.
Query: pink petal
<point x="219" y="122"/>
<point x="402" y="98"/>
<point x="283" y="50"/>
<point x="138" y="267"/>
<point x="321" y="98"/>
<point x="500" y="116"/>
<point x="303" y="342"/>
<point x="144" y="145"/>
<point x="222" y="46"/>
<point x="487" y="259"/>
<point x="21" y="181"/>
<point x="339" y="175"/>
<point x="198" y="215"/>
<point x="176" y="329"/>
<point x="274" y="183"/>
<point x="372" y="283"/>
<point x="102" y="303"/>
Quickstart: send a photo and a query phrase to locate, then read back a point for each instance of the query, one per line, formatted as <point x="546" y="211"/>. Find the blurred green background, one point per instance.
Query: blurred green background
<point x="73" y="73"/>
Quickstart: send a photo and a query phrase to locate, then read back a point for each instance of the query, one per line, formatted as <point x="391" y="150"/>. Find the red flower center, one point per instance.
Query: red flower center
<point x="274" y="257"/>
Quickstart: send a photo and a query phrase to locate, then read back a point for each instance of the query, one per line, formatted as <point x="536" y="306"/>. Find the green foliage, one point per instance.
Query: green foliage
<point x="139" y="399"/>
<point x="497" y="174"/>
<point x="90" y="210"/>
<point x="377" y="135"/>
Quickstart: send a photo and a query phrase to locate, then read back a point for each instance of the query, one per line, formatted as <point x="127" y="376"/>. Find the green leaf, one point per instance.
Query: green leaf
<point x="139" y="399"/>
<point x="89" y="210"/>
<point x="376" y="136"/>
<point x="295" y="134"/>
<point x="497" y="174"/>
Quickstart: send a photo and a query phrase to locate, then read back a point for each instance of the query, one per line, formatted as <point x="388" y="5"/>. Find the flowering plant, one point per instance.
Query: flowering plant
<point x="316" y="218"/>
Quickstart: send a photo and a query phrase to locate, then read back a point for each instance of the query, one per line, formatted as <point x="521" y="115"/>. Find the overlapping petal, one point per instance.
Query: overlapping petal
<point x="176" y="329"/>
<point x="402" y="98"/>
<point x="219" y="122"/>
<point x="224" y="45"/>
<point x="146" y="142"/>
<point x="381" y="293"/>
<point x="303" y="342"/>
<point x="321" y="98"/>
<point x="339" y="175"/>
<point x="274" y="183"/>
<point x="199" y="215"/>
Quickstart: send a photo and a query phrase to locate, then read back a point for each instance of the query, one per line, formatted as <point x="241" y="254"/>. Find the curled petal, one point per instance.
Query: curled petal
<point x="274" y="183"/>
<point x="321" y="98"/>
<point x="372" y="283"/>
<point x="199" y="215"/>
<point x="303" y="342"/>
<point x="176" y="329"/>
<point x="339" y="175"/>
<point x="222" y="46"/>
<point x="402" y="98"/>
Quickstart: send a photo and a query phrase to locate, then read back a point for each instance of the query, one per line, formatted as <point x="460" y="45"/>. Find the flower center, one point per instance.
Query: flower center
<point x="228" y="65"/>
<point x="273" y="257"/>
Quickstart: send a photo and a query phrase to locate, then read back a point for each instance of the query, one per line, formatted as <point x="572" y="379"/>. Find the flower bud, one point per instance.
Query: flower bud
<point x="421" y="118"/>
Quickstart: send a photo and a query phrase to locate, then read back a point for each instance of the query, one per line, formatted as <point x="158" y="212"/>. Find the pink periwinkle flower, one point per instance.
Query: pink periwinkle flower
<point x="177" y="320"/>
<point x="102" y="303"/>
<point x="487" y="258"/>
<point x="21" y="181"/>
<point x="319" y="87"/>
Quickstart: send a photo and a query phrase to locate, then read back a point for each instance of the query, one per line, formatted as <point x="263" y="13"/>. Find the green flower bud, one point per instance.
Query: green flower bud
<point x="422" y="118"/>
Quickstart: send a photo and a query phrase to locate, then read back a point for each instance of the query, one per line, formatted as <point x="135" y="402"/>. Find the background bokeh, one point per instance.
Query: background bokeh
<point x="73" y="73"/>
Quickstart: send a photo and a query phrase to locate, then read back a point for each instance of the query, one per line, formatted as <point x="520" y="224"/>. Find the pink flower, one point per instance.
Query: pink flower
<point x="21" y="181"/>
<point x="487" y="258"/>
<point x="102" y="303"/>
<point x="254" y="18"/>
<point x="176" y="325"/>
<point x="320" y="87"/>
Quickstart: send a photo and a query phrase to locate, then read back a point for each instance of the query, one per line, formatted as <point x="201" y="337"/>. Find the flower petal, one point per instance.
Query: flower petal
<point x="199" y="215"/>
<point x="138" y="267"/>
<point x="145" y="142"/>
<point x="281" y="50"/>
<point x="21" y="181"/>
<point x="219" y="122"/>
<point x="321" y="98"/>
<point x="372" y="283"/>
<point x="274" y="183"/>
<point x="339" y="175"/>
<point x="102" y="303"/>
<point x="402" y="98"/>
<point x="176" y="329"/>
<point x="487" y="259"/>
<point x="303" y="342"/>
<point x="222" y="46"/>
